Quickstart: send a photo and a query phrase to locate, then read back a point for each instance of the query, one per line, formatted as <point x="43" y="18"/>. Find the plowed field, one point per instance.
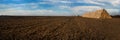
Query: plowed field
<point x="58" y="28"/>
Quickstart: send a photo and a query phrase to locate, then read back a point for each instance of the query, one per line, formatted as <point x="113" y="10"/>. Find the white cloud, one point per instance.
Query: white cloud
<point x="4" y="6"/>
<point x="79" y="10"/>
<point x="93" y="2"/>
<point x="64" y="7"/>
<point x="112" y="2"/>
<point x="26" y="12"/>
<point x="116" y="3"/>
<point x="20" y="12"/>
<point x="59" y="1"/>
<point x="65" y="1"/>
<point x="82" y="9"/>
<point x="19" y="6"/>
<point x="43" y="3"/>
<point x="105" y="3"/>
<point x="113" y="11"/>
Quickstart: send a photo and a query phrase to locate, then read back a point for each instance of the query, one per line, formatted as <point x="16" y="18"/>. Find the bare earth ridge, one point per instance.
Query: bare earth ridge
<point x="58" y="28"/>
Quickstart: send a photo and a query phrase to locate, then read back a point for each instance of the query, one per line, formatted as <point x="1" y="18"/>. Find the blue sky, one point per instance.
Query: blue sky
<point x="57" y="7"/>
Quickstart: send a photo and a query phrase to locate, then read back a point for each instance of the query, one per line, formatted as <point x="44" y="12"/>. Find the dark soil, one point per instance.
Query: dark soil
<point x="58" y="28"/>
